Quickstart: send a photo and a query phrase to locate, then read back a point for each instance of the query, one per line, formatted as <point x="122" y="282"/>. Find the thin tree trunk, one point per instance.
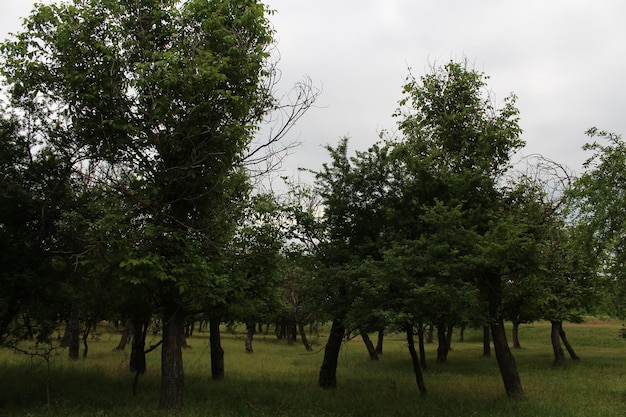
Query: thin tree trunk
<point x="250" y="329"/>
<point x="486" y="342"/>
<point x="515" y="333"/>
<point x="370" y="346"/>
<point x="555" y="337"/>
<point x="328" y="370"/>
<point x="417" y="367"/>
<point x="217" y="353"/>
<point x="430" y="334"/>
<point x="172" y="372"/>
<point x="506" y="361"/>
<point x="380" y="341"/>
<point x="504" y="356"/>
<point x="305" y="341"/>
<point x="567" y="345"/>
<point x="420" y="338"/>
<point x="73" y="333"/>
<point x="86" y="332"/>
<point x="462" y="334"/>
<point x="443" y="346"/>
<point x="125" y="335"/>
<point x="137" y="362"/>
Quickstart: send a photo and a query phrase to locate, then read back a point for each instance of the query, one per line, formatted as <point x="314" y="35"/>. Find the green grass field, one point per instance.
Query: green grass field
<point x="281" y="380"/>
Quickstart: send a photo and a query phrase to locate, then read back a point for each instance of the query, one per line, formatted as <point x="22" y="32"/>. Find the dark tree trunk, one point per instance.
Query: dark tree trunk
<point x="380" y="341"/>
<point x="486" y="342"/>
<point x="137" y="353"/>
<point x="305" y="341"/>
<point x="126" y="334"/>
<point x="250" y="330"/>
<point x="443" y="346"/>
<point x="420" y="338"/>
<point x="555" y="337"/>
<point x="506" y="361"/>
<point x="86" y="332"/>
<point x="449" y="332"/>
<point x="291" y="333"/>
<point x="462" y="334"/>
<point x="137" y="362"/>
<point x="515" y="333"/>
<point x="417" y="367"/>
<point x="567" y="345"/>
<point x="328" y="370"/>
<point x="217" y="353"/>
<point x="431" y="332"/>
<point x="370" y="346"/>
<point x="504" y="356"/>
<point x="172" y="372"/>
<point x="73" y="333"/>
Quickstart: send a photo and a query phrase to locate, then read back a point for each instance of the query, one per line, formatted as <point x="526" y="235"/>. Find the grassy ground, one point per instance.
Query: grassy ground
<point x="280" y="380"/>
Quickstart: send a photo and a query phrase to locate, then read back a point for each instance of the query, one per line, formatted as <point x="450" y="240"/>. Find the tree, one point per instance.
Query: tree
<point x="157" y="102"/>
<point x="596" y="205"/>
<point x="447" y="118"/>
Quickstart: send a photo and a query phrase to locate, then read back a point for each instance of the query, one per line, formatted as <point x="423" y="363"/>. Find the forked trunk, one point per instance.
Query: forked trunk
<point x="555" y="337"/>
<point x="417" y="367"/>
<point x="567" y="345"/>
<point x="217" y="353"/>
<point x="172" y="373"/>
<point x="328" y="370"/>
<point x="370" y="346"/>
<point x="380" y="341"/>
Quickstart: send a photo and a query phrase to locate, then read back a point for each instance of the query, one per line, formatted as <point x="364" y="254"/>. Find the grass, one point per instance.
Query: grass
<point x="281" y="380"/>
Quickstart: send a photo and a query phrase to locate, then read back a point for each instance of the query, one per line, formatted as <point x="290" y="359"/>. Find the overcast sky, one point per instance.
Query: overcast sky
<point x="564" y="59"/>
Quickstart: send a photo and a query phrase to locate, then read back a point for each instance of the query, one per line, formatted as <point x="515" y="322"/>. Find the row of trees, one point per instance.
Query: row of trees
<point x="129" y="155"/>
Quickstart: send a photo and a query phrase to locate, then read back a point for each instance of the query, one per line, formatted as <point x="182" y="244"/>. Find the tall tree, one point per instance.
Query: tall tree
<point x="448" y="118"/>
<point x="157" y="101"/>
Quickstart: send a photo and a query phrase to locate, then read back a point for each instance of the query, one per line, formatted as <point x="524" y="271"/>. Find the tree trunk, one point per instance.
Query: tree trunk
<point x="420" y="338"/>
<point x="86" y="332"/>
<point x="217" y="353"/>
<point x="417" y="367"/>
<point x="462" y="334"/>
<point x="137" y="362"/>
<point x="430" y="334"/>
<point x="567" y="345"/>
<point x="305" y="341"/>
<point x="125" y="335"/>
<point x="516" y="344"/>
<point x="291" y="333"/>
<point x="73" y="333"/>
<point x="486" y="342"/>
<point x="380" y="341"/>
<point x="172" y="372"/>
<point x="370" y="346"/>
<point x="250" y="329"/>
<point x="328" y="370"/>
<point x="506" y="361"/>
<point x="137" y="353"/>
<point x="443" y="347"/>
<point x="555" y="336"/>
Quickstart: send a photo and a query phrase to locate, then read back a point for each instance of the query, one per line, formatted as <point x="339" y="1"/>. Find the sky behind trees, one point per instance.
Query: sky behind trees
<point x="564" y="60"/>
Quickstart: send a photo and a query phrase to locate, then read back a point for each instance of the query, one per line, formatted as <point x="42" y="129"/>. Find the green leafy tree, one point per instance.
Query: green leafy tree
<point x="449" y="119"/>
<point x="158" y="102"/>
